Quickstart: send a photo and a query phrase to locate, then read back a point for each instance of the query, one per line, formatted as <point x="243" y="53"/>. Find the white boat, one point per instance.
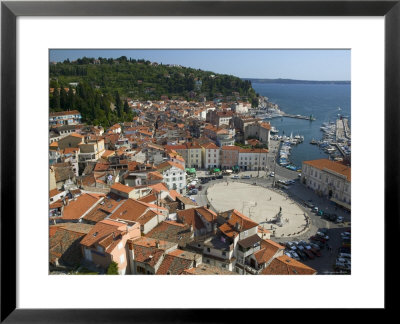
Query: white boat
<point x="274" y="130"/>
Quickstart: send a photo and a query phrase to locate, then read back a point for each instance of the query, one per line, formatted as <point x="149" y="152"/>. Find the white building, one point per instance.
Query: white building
<point x="241" y="108"/>
<point x="211" y="156"/>
<point x="252" y="159"/>
<point x="174" y="175"/>
<point x="328" y="178"/>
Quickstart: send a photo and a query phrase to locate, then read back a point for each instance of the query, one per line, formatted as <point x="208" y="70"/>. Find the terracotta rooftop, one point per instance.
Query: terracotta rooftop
<point x="78" y="207"/>
<point x="285" y="265"/>
<point x="120" y="187"/>
<point x="334" y="166"/>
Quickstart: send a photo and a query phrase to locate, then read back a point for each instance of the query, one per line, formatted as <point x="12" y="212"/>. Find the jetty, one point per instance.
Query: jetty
<point x="310" y="118"/>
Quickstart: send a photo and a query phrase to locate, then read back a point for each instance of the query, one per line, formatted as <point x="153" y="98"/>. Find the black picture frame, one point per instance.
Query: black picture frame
<point x="11" y="10"/>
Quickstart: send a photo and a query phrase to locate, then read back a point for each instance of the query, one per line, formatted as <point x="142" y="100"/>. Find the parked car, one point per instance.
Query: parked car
<point x="246" y="177"/>
<point x="272" y="174"/>
<point x="326" y="237"/>
<point x="301" y="248"/>
<point x="302" y="255"/>
<point x="316" y="252"/>
<point x="345" y="234"/>
<point x="200" y="188"/>
<point x="309" y="254"/>
<point x="343" y="260"/>
<point x="235" y="176"/>
<point x="293" y="248"/>
<point x="193" y="192"/>
<point x="315" y="209"/>
<point x="344" y="250"/>
<point x="295" y="255"/>
<point x="323" y="230"/>
<point x="290" y="182"/>
<point x="344" y="255"/>
<point x="309" y="204"/>
<point x="318" y="238"/>
<point x="220" y="176"/>
<point x="339" y="219"/>
<point x="315" y="246"/>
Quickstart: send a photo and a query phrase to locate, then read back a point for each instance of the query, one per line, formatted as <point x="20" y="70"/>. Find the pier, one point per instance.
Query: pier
<point x="310" y="118"/>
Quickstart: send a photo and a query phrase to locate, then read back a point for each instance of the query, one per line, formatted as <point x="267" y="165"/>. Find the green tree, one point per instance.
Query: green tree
<point x="55" y="99"/>
<point x="126" y="107"/>
<point x="118" y="104"/>
<point x="63" y="98"/>
<point x="112" y="268"/>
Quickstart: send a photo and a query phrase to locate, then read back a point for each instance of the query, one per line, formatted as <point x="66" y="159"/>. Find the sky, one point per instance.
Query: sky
<point x="316" y="65"/>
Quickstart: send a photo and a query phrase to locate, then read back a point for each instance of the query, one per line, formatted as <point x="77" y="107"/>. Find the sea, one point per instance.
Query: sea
<point x="323" y="101"/>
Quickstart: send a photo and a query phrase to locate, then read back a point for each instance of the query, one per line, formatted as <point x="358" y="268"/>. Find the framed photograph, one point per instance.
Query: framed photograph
<point x="42" y="41"/>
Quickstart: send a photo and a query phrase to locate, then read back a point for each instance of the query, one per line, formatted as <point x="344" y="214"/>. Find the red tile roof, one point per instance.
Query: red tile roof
<point x="120" y="187"/>
<point x="334" y="166"/>
<point x="77" y="208"/>
<point x="285" y="265"/>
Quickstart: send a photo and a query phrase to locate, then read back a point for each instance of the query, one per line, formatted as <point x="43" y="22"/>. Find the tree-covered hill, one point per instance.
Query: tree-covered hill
<point x="99" y="83"/>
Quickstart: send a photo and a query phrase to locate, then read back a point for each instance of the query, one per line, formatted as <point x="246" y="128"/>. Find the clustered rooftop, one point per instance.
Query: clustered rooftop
<point x="119" y="194"/>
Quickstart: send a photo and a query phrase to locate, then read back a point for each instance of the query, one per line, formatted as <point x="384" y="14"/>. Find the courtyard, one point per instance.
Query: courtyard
<point x="270" y="208"/>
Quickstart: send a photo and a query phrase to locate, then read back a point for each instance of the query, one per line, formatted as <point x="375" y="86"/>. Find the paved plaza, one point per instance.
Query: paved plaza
<point x="262" y="205"/>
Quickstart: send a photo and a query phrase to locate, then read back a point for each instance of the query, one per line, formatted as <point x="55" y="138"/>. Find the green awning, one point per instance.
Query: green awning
<point x="217" y="170"/>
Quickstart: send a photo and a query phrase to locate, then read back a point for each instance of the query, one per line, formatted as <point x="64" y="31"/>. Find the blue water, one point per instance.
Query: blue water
<point x="320" y="100"/>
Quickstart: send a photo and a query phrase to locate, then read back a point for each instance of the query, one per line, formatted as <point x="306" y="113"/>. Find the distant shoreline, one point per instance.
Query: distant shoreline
<point x="291" y="81"/>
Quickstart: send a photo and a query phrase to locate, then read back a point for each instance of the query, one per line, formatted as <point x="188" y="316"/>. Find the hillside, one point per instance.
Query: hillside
<point x="100" y="83"/>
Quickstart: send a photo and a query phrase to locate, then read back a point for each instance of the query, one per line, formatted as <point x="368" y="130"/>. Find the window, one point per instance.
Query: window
<point x="122" y="258"/>
<point x="223" y="265"/>
<point x="223" y="253"/>
<point x="208" y="250"/>
<point x="120" y="246"/>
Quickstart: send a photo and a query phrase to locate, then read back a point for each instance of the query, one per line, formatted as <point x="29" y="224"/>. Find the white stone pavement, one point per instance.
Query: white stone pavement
<point x="260" y="204"/>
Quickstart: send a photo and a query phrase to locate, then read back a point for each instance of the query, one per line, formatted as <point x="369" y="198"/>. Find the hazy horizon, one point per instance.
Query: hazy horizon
<point x="303" y="65"/>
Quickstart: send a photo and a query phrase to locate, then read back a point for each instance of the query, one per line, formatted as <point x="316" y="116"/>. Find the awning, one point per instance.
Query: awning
<point x="341" y="203"/>
<point x="217" y="170"/>
<point x="250" y="241"/>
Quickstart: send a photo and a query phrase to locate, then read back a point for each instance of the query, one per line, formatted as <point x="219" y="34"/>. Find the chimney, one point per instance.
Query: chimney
<point x="237" y="226"/>
<point x="215" y="228"/>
